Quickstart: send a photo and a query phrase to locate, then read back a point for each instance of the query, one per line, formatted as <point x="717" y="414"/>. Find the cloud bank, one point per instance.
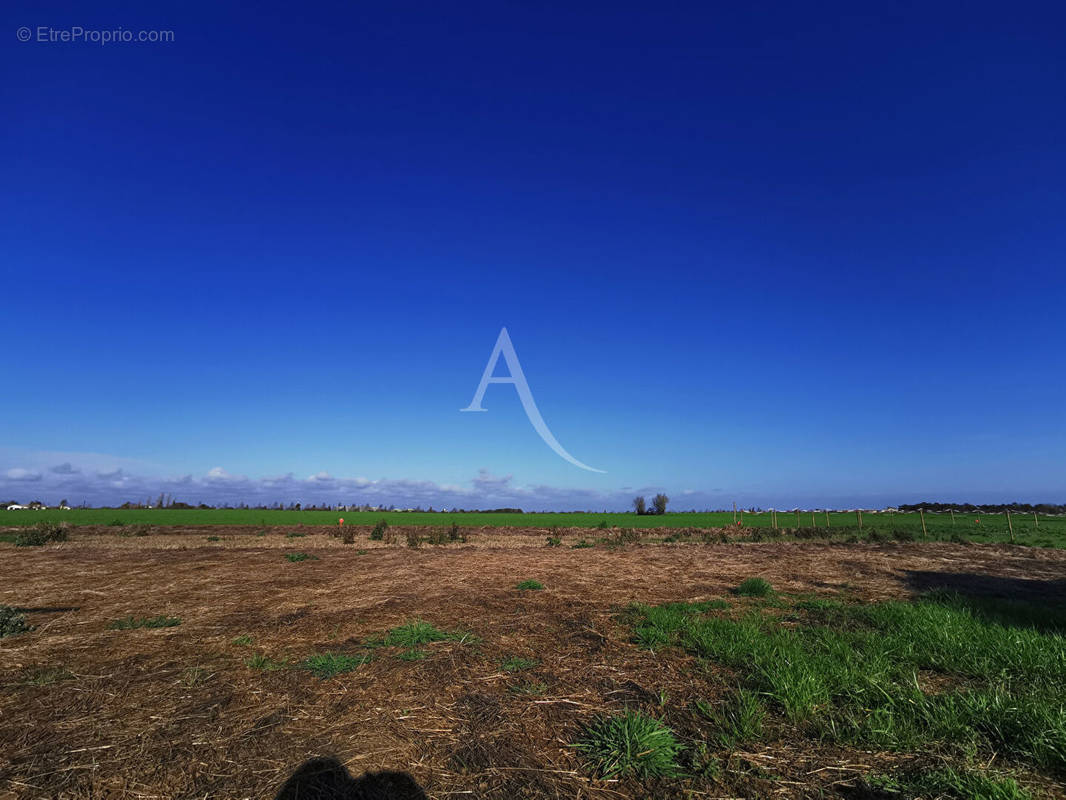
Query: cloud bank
<point x="67" y="481"/>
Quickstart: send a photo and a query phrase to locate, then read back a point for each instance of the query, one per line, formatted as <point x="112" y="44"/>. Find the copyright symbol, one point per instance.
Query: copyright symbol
<point x="23" y="34"/>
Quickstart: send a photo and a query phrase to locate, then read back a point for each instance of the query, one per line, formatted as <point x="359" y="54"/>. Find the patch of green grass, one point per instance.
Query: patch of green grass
<point x="755" y="587"/>
<point x="264" y="663"/>
<point x="415" y="633"/>
<point x="294" y="534"/>
<point x="581" y="545"/>
<point x="949" y="784"/>
<point x="657" y="626"/>
<point x="739" y="718"/>
<point x="327" y="665"/>
<point x="12" y="622"/>
<point x="529" y="688"/>
<point x="529" y="586"/>
<point x="45" y="676"/>
<point x="554" y="541"/>
<point x="412" y="655"/>
<point x="629" y="745"/>
<point x="214" y="538"/>
<point x="517" y="664"/>
<point x="242" y="641"/>
<point x="361" y="552"/>
<point x="851" y="673"/>
<point x="301" y="557"/>
<point x="132" y="623"/>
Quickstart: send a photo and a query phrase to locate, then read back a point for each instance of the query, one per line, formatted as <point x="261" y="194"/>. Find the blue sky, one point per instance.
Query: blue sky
<point x="777" y="254"/>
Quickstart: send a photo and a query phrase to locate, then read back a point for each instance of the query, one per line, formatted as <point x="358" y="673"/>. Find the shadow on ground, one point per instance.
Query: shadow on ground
<point x="327" y="779"/>
<point x="1019" y="602"/>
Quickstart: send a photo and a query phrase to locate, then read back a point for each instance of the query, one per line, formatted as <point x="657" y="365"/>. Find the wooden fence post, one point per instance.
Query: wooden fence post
<point x="734" y="512"/>
<point x="858" y="513"/>
<point x="1010" y="527"/>
<point x="827" y="517"/>
<point x="952" y="510"/>
<point x="921" y="513"/>
<point x="1036" y="522"/>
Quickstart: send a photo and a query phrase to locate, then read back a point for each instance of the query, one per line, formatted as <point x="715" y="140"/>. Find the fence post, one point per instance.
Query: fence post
<point x="1036" y="522"/>
<point x="952" y="510"/>
<point x="827" y="517"/>
<point x="921" y="513"/>
<point x="734" y="512"/>
<point x="813" y="523"/>
<point x="858" y="513"/>
<point x="1010" y="527"/>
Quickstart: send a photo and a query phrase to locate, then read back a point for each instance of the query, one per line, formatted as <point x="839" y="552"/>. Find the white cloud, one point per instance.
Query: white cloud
<point x="20" y="474"/>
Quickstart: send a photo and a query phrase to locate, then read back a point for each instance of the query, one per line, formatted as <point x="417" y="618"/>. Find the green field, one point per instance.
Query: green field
<point x="1047" y="531"/>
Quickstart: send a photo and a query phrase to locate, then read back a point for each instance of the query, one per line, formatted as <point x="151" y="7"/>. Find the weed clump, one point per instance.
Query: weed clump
<point x="326" y="665"/>
<point x="378" y="533"/>
<point x="294" y="557"/>
<point x="529" y="586"/>
<point x="554" y="541"/>
<point x="630" y="745"/>
<point x="12" y="622"/>
<point x="755" y="587"/>
<point x="348" y="535"/>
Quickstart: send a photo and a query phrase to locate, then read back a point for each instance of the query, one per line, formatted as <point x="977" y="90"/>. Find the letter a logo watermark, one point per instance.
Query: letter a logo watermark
<point x="518" y="378"/>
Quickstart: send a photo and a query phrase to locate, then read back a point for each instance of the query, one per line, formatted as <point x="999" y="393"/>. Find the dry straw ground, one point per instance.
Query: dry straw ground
<point x="176" y="712"/>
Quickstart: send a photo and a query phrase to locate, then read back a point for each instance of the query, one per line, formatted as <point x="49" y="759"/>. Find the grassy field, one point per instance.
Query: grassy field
<point x="1044" y="531"/>
<point x="214" y="663"/>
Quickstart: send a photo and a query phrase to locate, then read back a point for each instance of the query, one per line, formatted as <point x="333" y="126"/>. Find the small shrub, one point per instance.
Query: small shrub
<point x="301" y="557"/>
<point x="602" y="525"/>
<point x="554" y="541"/>
<point x="414" y="541"/>
<point x="348" y="535"/>
<point x="529" y="585"/>
<point x="378" y="533"/>
<point x="42" y="533"/>
<point x="755" y="587"/>
<point x="131" y="623"/>
<point x="326" y="665"/>
<point x="12" y="622"/>
<point x="454" y="534"/>
<point x="630" y="745"/>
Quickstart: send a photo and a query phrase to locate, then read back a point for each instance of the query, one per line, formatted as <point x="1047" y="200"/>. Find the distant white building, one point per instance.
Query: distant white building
<point x="17" y="507"/>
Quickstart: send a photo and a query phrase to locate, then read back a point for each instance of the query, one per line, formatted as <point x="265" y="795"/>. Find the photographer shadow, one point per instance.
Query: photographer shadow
<point x="327" y="779"/>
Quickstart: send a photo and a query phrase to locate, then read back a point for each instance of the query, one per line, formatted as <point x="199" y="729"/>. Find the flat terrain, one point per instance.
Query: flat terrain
<point x="223" y="702"/>
<point x="1042" y="530"/>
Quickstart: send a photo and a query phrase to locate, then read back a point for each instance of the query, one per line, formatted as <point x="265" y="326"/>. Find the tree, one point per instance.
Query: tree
<point x="639" y="505"/>
<point x="660" y="502"/>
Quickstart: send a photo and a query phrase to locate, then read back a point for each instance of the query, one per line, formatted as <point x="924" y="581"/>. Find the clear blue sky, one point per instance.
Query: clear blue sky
<point x="773" y="253"/>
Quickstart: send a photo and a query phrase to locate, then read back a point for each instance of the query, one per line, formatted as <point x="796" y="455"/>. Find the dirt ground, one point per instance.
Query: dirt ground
<point x="177" y="713"/>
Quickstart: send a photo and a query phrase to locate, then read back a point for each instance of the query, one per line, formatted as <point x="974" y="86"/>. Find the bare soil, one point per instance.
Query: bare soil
<point x="177" y="713"/>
